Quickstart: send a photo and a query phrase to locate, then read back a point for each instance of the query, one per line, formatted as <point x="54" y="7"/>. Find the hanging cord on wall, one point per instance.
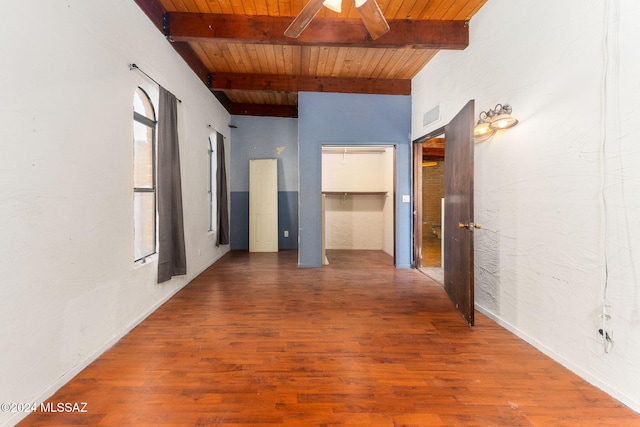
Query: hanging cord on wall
<point x="608" y="43"/>
<point x="135" y="67"/>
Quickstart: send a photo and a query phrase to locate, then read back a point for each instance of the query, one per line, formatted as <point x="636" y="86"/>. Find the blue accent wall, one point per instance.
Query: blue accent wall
<point x="239" y="221"/>
<point x="347" y="119"/>
<point x="287" y="220"/>
<point x="264" y="138"/>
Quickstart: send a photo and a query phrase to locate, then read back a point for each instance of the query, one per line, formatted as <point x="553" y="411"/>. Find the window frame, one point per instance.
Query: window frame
<point x="151" y="124"/>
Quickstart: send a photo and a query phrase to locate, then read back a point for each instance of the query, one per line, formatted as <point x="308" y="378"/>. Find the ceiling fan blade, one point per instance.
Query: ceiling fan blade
<point x="373" y="18"/>
<point x="308" y="12"/>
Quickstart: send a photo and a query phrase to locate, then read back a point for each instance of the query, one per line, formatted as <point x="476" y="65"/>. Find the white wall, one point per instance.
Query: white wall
<point x="359" y="221"/>
<point x="68" y="287"/>
<point x="558" y="195"/>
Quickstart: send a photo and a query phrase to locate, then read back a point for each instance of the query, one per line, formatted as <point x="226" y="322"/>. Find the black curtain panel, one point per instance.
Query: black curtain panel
<point x="221" y="193"/>
<point x="172" y="259"/>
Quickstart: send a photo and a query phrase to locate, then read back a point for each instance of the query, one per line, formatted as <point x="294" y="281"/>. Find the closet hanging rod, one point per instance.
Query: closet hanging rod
<point x="335" y="150"/>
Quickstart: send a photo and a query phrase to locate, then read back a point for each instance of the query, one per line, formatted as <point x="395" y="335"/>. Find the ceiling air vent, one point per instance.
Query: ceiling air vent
<point x="431" y="116"/>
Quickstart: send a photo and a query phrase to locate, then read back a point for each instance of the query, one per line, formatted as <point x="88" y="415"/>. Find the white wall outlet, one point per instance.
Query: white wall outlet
<point x="406" y="198"/>
<point x="286" y="233"/>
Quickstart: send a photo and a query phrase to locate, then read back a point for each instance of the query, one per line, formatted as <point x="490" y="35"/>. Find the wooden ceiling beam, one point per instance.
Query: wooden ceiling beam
<point x="282" y="83"/>
<point x="257" y="29"/>
<point x="193" y="61"/>
<point x="154" y="11"/>
<point x="267" y="110"/>
<point x="223" y="99"/>
<point x="433" y="148"/>
<point x="433" y="153"/>
<point x="157" y="14"/>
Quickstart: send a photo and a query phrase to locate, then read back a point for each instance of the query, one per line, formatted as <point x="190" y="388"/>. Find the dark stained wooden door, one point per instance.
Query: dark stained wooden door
<point x="458" y="210"/>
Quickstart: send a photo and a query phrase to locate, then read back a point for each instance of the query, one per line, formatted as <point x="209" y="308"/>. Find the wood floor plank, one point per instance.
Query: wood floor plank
<point x="256" y="341"/>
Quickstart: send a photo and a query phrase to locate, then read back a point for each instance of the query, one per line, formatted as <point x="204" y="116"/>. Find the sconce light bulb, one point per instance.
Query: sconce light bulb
<point x="503" y="121"/>
<point x="482" y="131"/>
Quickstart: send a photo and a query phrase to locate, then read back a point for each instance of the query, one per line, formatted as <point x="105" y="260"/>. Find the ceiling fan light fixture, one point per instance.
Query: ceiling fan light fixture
<point x="335" y="5"/>
<point x="369" y="11"/>
<point x="303" y="19"/>
<point x="372" y="17"/>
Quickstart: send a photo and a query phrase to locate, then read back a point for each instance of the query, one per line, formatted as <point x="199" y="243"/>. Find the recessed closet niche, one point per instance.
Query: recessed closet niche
<point x="357" y="191"/>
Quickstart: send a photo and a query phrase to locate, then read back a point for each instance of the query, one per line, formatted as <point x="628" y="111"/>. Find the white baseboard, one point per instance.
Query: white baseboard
<point x="50" y="391"/>
<point x="597" y="382"/>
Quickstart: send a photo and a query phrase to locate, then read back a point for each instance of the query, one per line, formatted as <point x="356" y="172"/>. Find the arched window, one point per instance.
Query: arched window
<point x="144" y="175"/>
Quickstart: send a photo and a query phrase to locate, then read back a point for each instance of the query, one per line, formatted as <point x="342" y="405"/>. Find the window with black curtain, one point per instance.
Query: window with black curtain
<point x="144" y="176"/>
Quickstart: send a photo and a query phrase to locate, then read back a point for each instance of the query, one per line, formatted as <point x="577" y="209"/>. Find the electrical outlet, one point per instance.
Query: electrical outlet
<point x="286" y="233"/>
<point x="605" y="331"/>
<point x="607" y="337"/>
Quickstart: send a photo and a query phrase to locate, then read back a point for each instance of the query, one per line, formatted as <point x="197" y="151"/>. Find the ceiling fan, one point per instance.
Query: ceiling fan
<point x="369" y="11"/>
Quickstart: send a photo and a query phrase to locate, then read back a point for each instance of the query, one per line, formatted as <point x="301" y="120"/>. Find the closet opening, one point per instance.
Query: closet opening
<point x="358" y="199"/>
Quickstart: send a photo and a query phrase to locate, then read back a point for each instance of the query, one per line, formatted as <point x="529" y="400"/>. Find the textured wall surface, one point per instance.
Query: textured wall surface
<point x="558" y="194"/>
<point x="69" y="287"/>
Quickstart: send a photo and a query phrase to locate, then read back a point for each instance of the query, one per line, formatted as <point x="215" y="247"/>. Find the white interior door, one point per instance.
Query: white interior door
<point x="263" y="205"/>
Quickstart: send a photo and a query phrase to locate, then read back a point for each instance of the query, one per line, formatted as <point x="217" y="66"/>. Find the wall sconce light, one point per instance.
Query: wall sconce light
<point x="482" y="131"/>
<point x="503" y="118"/>
<point x="495" y="119"/>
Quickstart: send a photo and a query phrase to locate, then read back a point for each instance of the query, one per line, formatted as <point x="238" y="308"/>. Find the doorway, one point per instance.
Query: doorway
<point x="358" y="187"/>
<point x="430" y="199"/>
<point x="457" y="224"/>
<point x="428" y="209"/>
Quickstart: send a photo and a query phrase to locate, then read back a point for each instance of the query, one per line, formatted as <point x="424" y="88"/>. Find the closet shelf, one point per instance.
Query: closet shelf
<point x="355" y="193"/>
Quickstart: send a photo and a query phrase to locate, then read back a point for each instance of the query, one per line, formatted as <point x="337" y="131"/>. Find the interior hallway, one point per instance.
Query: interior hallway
<point x="431" y="257"/>
<point x="431" y="250"/>
<point x="255" y="340"/>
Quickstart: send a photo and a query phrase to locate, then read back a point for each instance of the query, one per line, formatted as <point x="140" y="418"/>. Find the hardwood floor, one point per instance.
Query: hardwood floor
<point x="431" y="251"/>
<point x="257" y="341"/>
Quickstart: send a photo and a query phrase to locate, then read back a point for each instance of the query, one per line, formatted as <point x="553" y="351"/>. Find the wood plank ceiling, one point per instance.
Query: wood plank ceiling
<point x="238" y="47"/>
